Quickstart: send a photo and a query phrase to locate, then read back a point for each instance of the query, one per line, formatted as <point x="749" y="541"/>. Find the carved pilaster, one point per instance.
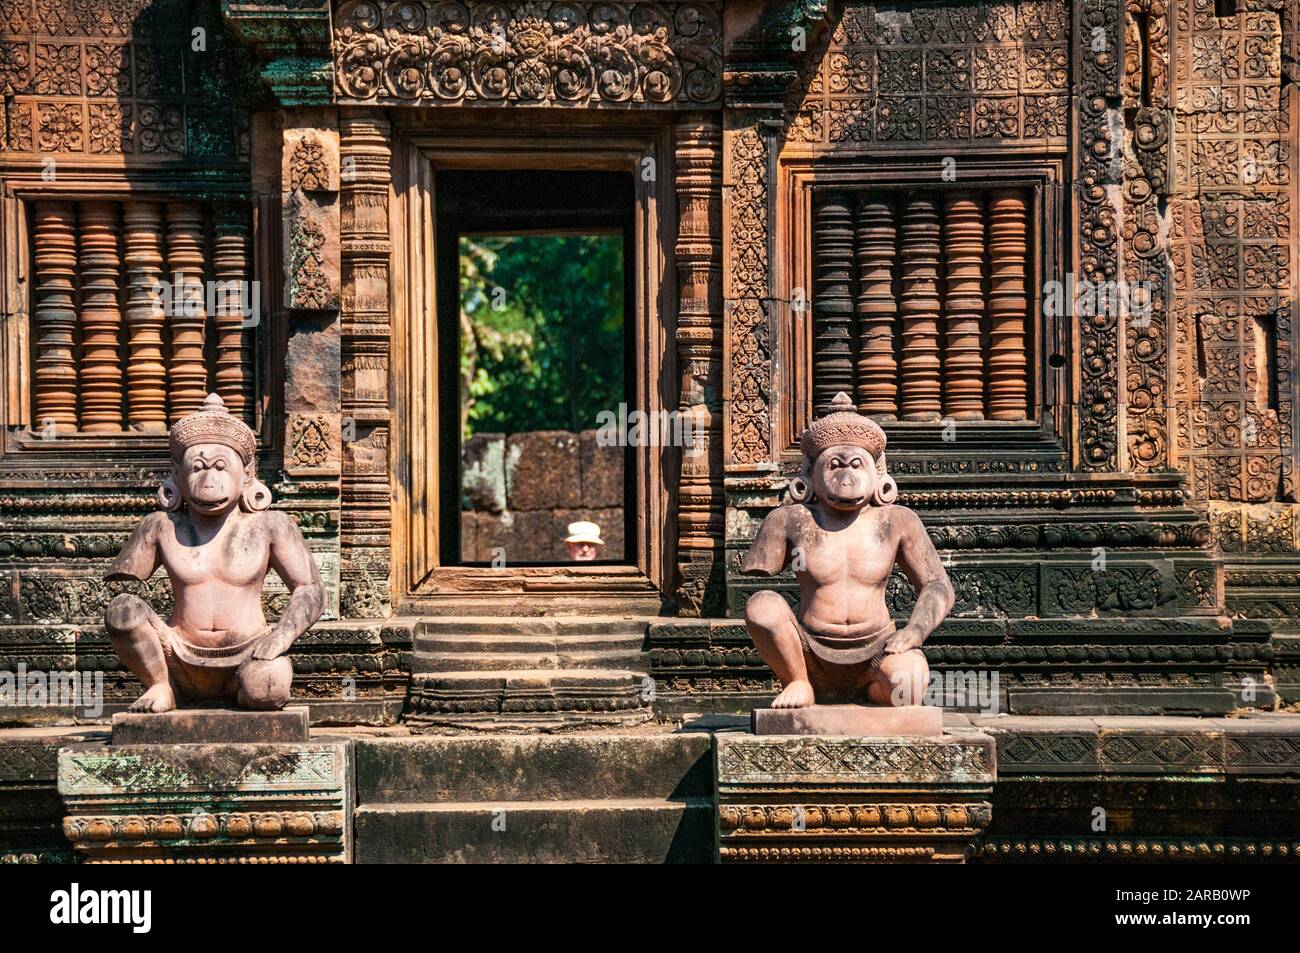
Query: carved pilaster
<point x="1098" y="173"/>
<point x="877" y="311"/>
<point x="699" y="357"/>
<point x="146" y="397"/>
<point x="1148" y="179"/>
<point x="832" y="301"/>
<point x="55" y="318"/>
<point x="366" y="519"/>
<point x="186" y="309"/>
<point x="748" y="336"/>
<point x="963" y="306"/>
<point x="101" y="318"/>
<point x="1006" y="305"/>
<point x="919" y="306"/>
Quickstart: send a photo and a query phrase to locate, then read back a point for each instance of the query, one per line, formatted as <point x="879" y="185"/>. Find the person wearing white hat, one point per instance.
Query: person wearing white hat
<point x="583" y="541"/>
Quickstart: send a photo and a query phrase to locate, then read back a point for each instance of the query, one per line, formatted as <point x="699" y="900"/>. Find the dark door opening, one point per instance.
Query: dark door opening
<point x="536" y="367"/>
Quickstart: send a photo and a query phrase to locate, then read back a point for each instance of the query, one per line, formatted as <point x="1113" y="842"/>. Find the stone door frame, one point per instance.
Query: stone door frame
<point x="421" y="584"/>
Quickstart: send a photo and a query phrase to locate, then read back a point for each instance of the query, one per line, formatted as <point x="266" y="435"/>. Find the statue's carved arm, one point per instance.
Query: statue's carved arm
<point x="770" y="551"/>
<point x="934" y="596"/>
<point x="291" y="559"/>
<point x="139" y="558"/>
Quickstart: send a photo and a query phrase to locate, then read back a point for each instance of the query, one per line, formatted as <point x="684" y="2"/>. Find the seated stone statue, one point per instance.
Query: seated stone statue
<point x="842" y="536"/>
<point x="215" y="538"/>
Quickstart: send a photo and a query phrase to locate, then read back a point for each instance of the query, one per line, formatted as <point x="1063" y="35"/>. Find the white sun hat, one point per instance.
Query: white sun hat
<point x="584" y="532"/>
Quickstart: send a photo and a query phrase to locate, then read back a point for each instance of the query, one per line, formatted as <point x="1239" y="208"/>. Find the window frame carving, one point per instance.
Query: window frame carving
<point x="20" y="190"/>
<point x="1044" y="437"/>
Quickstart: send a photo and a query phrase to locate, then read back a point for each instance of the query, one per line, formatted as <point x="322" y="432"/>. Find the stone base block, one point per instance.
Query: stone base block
<point x="209" y="803"/>
<point x="210" y="726"/>
<point x="858" y="720"/>
<point x="852" y="800"/>
<point x="533" y="700"/>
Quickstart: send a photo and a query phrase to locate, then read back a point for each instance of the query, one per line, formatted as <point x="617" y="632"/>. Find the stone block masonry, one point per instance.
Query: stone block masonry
<point x="520" y="492"/>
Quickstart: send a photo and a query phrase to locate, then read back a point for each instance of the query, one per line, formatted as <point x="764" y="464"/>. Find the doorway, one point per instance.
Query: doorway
<point x="535" y="324"/>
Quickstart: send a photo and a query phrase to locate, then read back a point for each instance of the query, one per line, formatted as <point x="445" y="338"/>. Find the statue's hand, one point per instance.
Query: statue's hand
<point x="272" y="645"/>
<point x="904" y="640"/>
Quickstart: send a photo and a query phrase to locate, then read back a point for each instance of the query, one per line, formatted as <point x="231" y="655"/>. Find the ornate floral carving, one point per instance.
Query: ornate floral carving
<point x="308" y="169"/>
<point x="110" y="128"/>
<point x="539" y="51"/>
<point x="58" y="70"/>
<point x="309" y="441"/>
<point x="60" y="127"/>
<point x="108" y="69"/>
<point x="748" y="330"/>
<point x="310" y="287"/>
<point x="951" y="72"/>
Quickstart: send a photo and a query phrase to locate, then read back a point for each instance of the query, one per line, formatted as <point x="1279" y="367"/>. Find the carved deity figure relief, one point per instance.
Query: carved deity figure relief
<point x="842" y="536"/>
<point x="216" y="539"/>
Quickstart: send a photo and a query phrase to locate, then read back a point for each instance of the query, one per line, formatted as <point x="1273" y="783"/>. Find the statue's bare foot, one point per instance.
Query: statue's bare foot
<point x="798" y="694"/>
<point x="157" y="699"/>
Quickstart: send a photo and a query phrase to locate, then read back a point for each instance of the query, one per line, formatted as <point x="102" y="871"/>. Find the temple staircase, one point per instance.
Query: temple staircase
<point x="593" y="797"/>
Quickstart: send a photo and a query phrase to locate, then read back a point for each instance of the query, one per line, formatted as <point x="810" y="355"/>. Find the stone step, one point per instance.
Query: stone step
<point x="557" y="697"/>
<point x="576" y="831"/>
<point x="543" y="626"/>
<point x="447" y="662"/>
<point x="534" y="767"/>
<point x="552" y="661"/>
<point x="527" y="642"/>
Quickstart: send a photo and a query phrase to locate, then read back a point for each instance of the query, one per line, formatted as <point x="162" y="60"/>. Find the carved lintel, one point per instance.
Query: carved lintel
<point x="431" y="51"/>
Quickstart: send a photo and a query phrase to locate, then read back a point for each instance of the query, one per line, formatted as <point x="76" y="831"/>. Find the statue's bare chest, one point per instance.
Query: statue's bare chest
<point x="238" y="555"/>
<point x="863" y="551"/>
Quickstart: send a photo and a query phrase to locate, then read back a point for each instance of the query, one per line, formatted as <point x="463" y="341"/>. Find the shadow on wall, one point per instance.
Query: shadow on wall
<point x="519" y="493"/>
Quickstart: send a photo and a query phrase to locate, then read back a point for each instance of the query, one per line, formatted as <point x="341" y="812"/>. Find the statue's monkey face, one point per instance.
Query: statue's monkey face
<point x="211" y="477"/>
<point x="844" y="478"/>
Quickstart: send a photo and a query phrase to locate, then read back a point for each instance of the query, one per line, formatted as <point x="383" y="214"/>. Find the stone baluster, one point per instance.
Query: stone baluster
<point x="101" y="318"/>
<point x="832" y="304"/>
<point x="187" y="309"/>
<point x="963" y="306"/>
<point x="55" y="318"/>
<point x="877" y="392"/>
<point x="146" y="395"/>
<point x="1007" y="304"/>
<point x="919" y="307"/>
<point x="236" y="300"/>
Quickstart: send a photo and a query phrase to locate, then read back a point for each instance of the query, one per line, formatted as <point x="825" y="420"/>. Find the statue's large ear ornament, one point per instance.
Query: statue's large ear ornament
<point x="256" y="497"/>
<point x="169" y="497"/>
<point x="886" y="489"/>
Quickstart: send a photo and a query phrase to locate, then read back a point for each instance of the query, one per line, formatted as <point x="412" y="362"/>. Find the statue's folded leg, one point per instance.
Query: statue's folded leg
<point x="772" y="625"/>
<point x="264" y="683"/>
<point x="137" y="634"/>
<point x="900" y="678"/>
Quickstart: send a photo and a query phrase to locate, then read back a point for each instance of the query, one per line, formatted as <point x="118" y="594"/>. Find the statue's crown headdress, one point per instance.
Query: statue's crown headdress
<point x="843" y="426"/>
<point x="212" y="423"/>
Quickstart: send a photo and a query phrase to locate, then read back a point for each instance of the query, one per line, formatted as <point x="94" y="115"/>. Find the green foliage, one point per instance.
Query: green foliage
<point x="541" y="331"/>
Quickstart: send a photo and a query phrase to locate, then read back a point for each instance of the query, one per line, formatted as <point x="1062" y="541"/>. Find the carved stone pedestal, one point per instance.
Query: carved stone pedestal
<point x="785" y="799"/>
<point x="213" y="803"/>
<point x="862" y="721"/>
<point x="210" y="726"/>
